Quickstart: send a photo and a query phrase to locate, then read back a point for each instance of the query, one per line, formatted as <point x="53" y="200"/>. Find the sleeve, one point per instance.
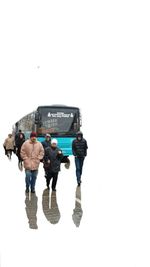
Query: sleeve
<point x="4" y="145"/>
<point x="13" y="141"/>
<point x="60" y="156"/>
<point x="86" y="147"/>
<point x="23" y="152"/>
<point x="74" y="148"/>
<point x="41" y="152"/>
<point x="24" y="137"/>
<point x="46" y="155"/>
<point x="43" y="144"/>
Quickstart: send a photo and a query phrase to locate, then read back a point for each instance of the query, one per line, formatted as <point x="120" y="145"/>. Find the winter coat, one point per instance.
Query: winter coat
<point x="18" y="148"/>
<point x="46" y="144"/>
<point x="32" y="153"/>
<point x="55" y="159"/>
<point x="79" y="148"/>
<point x="19" y="141"/>
<point x="17" y="138"/>
<point x="9" y="143"/>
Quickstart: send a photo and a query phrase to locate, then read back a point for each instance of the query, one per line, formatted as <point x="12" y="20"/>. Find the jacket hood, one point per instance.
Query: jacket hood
<point x="79" y="134"/>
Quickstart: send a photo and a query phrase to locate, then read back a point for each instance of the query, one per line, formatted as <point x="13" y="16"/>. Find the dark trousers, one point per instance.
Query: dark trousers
<point x="18" y="154"/>
<point x="49" y="176"/>
<point x="79" y="166"/>
<point x="9" y="153"/>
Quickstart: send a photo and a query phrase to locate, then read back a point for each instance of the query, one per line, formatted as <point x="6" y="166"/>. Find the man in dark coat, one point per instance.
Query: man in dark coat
<point x="47" y="142"/>
<point x="52" y="161"/>
<point x="79" y="149"/>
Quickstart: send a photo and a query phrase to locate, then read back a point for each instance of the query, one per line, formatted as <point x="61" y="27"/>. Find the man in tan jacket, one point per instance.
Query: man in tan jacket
<point x="9" y="145"/>
<point x="32" y="152"/>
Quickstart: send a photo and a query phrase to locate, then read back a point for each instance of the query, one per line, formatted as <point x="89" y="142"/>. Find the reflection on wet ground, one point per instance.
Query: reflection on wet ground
<point x="77" y="212"/>
<point x="50" y="206"/>
<point x="31" y="210"/>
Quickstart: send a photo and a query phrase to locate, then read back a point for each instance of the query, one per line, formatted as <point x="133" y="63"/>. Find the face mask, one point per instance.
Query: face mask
<point x="79" y="138"/>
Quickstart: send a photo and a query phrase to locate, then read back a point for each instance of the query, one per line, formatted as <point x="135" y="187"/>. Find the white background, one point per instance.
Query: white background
<point x="95" y="55"/>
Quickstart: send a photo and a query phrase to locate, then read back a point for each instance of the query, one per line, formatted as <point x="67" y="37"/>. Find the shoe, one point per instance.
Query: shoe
<point x="33" y="191"/>
<point x="79" y="183"/>
<point x="53" y="189"/>
<point x="48" y="187"/>
<point x="27" y="190"/>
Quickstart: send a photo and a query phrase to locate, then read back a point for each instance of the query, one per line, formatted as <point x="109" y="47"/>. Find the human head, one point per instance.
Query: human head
<point x="10" y="135"/>
<point x="54" y="143"/>
<point x="33" y="136"/>
<point x="20" y="131"/>
<point x="48" y="137"/>
<point x="79" y="136"/>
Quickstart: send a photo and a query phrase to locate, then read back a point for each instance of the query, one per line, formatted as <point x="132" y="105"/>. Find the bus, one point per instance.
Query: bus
<point x="61" y="122"/>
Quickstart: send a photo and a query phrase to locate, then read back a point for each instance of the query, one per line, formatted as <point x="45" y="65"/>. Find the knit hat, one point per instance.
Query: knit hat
<point x="33" y="134"/>
<point x="54" y="141"/>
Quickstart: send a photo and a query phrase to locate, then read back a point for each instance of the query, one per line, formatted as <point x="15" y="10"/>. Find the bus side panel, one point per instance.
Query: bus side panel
<point x="64" y="143"/>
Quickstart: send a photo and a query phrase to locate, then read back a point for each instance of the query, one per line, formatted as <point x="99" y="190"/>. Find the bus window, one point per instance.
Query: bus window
<point x="26" y="124"/>
<point x="58" y="120"/>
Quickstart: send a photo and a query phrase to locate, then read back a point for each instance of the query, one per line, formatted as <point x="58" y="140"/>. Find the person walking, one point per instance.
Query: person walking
<point x="52" y="161"/>
<point x="32" y="152"/>
<point x="17" y="137"/>
<point x="47" y="142"/>
<point x="18" y="144"/>
<point x="79" y="149"/>
<point x="9" y="145"/>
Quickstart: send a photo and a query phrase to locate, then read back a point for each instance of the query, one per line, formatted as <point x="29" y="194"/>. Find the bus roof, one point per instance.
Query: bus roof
<point x="58" y="106"/>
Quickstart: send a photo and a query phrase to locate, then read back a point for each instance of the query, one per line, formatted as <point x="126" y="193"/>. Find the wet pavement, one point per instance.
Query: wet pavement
<point x="77" y="212"/>
<point x="74" y="226"/>
<point x="31" y="207"/>
<point x="35" y="219"/>
<point x="50" y="206"/>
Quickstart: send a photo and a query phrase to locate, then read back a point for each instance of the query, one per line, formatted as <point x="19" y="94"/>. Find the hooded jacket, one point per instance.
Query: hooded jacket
<point x="79" y="147"/>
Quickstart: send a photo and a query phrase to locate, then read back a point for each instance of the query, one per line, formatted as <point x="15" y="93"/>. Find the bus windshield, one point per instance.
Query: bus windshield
<point x="58" y="120"/>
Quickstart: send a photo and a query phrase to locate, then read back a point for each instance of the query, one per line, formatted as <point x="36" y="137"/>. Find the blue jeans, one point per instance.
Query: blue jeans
<point x="31" y="179"/>
<point x="79" y="166"/>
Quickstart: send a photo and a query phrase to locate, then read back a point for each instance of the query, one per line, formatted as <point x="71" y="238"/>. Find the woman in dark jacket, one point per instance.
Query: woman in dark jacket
<point x="19" y="142"/>
<point x="52" y="161"/>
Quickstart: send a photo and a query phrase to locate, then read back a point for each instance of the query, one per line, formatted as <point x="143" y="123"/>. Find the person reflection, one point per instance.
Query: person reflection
<point x="77" y="212"/>
<point x="50" y="206"/>
<point x="31" y="210"/>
